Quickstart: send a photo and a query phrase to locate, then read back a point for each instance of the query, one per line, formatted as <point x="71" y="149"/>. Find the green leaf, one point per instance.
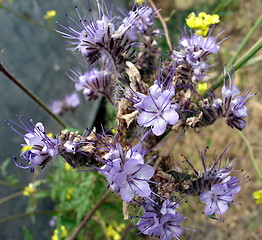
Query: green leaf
<point x="27" y="234"/>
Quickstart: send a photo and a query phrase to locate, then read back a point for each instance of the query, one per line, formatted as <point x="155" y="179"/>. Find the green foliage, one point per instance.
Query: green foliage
<point x="27" y="234"/>
<point x="9" y="177"/>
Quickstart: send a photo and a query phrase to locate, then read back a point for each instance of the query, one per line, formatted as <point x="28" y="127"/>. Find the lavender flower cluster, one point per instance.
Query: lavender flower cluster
<point x="151" y="99"/>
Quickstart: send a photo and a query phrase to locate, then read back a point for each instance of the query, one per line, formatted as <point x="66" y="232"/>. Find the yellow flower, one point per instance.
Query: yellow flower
<point x="67" y="167"/>
<point x="69" y="193"/>
<point x="63" y="233"/>
<point x="114" y="230"/>
<point x="49" y="14"/>
<point x="140" y="2"/>
<point x="29" y="190"/>
<point x="258" y="196"/>
<point x="202" y="87"/>
<point x="202" y="22"/>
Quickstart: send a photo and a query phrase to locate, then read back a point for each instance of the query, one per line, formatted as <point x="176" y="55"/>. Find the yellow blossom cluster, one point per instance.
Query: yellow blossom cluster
<point x="63" y="233"/>
<point x="114" y="230"/>
<point x="258" y="196"/>
<point x="69" y="193"/>
<point x="202" y="87"/>
<point x="29" y="190"/>
<point x="49" y="14"/>
<point x="140" y="2"/>
<point x="202" y="22"/>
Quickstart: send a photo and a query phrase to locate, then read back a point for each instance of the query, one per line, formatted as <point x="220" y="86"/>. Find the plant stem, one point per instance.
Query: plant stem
<point x="251" y="154"/>
<point x="163" y="24"/>
<point x="89" y="215"/>
<point x="11" y="196"/>
<point x="246" y="40"/>
<point x="31" y="95"/>
<point x="247" y="56"/>
<point x="27" y="214"/>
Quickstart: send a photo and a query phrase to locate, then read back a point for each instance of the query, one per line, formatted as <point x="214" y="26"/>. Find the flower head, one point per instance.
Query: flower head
<point x="258" y="196"/>
<point x="93" y="82"/>
<point x="161" y="219"/>
<point x="233" y="107"/>
<point x="44" y="147"/>
<point x="157" y="110"/>
<point x="194" y="53"/>
<point x="94" y="37"/>
<point x="202" y="22"/>
<point x="126" y="172"/>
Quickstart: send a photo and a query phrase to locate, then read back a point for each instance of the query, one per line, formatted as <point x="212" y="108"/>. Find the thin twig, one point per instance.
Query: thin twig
<point x="30" y="94"/>
<point x="89" y="215"/>
<point x="11" y="196"/>
<point x="27" y="214"/>
<point x="163" y="24"/>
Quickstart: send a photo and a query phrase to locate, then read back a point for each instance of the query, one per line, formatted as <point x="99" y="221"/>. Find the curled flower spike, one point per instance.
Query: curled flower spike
<point x="44" y="147"/>
<point x="96" y="37"/>
<point x="194" y="53"/>
<point x="233" y="107"/>
<point x="143" y="23"/>
<point x="93" y="82"/>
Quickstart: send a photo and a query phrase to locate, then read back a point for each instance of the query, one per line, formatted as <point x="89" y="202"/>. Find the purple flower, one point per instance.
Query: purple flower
<point x="72" y="101"/>
<point x="143" y="23"/>
<point x="170" y="224"/>
<point x="157" y="111"/>
<point x="161" y="220"/>
<point x="218" y="198"/>
<point x="195" y="50"/>
<point x="56" y="107"/>
<point x="126" y="172"/>
<point x="133" y="178"/>
<point x="96" y="37"/>
<point x="92" y="83"/>
<point x="43" y="147"/>
<point x="149" y="224"/>
<point x="233" y="107"/>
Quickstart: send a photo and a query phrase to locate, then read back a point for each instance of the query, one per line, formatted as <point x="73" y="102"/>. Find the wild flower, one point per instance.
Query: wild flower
<point x="232" y="107"/>
<point x="157" y="110"/>
<point x="93" y="82"/>
<point x="219" y="197"/>
<point x="194" y="53"/>
<point x="258" y="196"/>
<point x="161" y="220"/>
<point x="202" y="22"/>
<point x="142" y="25"/>
<point x="29" y="190"/>
<point x="44" y="147"/>
<point x="103" y="36"/>
<point x="49" y="14"/>
<point x="127" y="173"/>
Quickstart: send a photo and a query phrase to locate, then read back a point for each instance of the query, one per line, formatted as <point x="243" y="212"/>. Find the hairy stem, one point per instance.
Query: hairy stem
<point x="247" y="56"/>
<point x="31" y="95"/>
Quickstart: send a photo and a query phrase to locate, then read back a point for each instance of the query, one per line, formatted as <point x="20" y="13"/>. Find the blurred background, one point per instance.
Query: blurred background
<point x="37" y="56"/>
